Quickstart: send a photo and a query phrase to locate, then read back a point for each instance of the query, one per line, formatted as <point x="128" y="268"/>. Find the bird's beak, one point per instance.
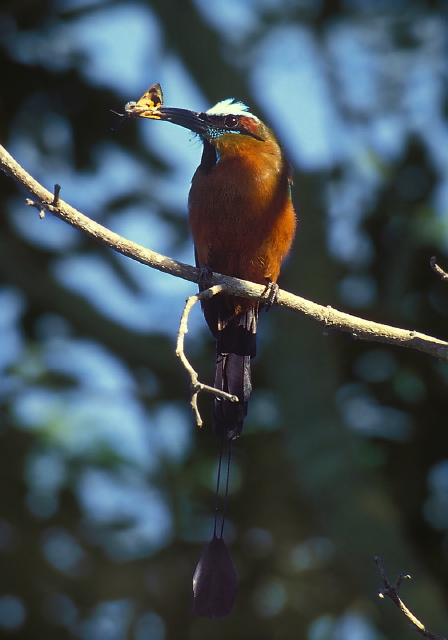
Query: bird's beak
<point x="183" y="117"/>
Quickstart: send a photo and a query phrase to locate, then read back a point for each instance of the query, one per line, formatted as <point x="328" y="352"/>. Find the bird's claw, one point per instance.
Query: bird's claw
<point x="204" y="275"/>
<point x="269" y="295"/>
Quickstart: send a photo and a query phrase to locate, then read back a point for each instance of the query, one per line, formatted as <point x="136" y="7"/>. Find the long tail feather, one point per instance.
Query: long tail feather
<point x="214" y="581"/>
<point x="236" y="346"/>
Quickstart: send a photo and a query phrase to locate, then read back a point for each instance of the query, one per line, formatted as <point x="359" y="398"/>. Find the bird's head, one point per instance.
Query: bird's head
<point x="224" y="125"/>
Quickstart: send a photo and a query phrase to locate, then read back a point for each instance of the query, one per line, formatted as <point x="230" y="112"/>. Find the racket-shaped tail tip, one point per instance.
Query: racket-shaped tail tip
<point x="215" y="584"/>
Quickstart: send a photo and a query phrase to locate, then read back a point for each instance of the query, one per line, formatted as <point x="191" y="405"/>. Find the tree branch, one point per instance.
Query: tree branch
<point x="358" y="328"/>
<point x="391" y="591"/>
<point x="435" y="267"/>
<point x="197" y="386"/>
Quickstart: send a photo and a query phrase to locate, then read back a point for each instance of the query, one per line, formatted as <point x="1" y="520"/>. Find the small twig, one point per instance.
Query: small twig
<point x="435" y="267"/>
<point x="42" y="205"/>
<point x="391" y="591"/>
<point x="37" y="205"/>
<point x="197" y="386"/>
<point x="57" y="191"/>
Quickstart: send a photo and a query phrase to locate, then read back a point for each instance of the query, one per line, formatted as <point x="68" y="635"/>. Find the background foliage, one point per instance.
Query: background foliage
<point x="106" y="486"/>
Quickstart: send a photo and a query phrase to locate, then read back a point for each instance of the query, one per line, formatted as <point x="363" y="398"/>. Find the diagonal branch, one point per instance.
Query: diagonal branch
<point x="391" y="591"/>
<point x="358" y="327"/>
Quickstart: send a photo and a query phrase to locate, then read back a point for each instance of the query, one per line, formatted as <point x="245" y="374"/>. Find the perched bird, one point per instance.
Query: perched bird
<point x="243" y="223"/>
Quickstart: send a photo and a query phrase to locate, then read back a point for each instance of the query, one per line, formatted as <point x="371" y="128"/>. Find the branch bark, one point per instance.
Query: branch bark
<point x="391" y="591"/>
<point x="358" y="328"/>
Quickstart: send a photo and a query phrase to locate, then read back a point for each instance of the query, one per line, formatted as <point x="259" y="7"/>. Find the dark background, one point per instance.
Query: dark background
<point x="106" y="490"/>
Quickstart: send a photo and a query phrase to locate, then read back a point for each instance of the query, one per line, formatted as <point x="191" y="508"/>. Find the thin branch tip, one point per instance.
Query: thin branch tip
<point x="435" y="267"/>
<point x="37" y="205"/>
<point x="391" y="591"/>
<point x="57" y="191"/>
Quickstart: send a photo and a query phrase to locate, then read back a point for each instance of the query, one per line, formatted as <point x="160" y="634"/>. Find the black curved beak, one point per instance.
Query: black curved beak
<point x="182" y="117"/>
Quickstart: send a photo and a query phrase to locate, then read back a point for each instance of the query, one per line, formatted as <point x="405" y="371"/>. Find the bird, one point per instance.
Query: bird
<point x="243" y="223"/>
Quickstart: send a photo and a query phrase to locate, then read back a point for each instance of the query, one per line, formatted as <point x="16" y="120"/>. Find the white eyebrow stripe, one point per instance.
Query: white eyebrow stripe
<point x="230" y="107"/>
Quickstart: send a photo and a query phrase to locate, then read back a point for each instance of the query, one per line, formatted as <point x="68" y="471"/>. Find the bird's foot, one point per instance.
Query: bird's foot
<point x="204" y="276"/>
<point x="269" y="295"/>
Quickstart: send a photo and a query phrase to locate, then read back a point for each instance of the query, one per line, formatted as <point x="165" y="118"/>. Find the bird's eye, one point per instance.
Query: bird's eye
<point x="231" y="121"/>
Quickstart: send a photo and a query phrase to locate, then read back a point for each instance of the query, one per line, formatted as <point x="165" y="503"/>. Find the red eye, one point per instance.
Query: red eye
<point x="231" y="121"/>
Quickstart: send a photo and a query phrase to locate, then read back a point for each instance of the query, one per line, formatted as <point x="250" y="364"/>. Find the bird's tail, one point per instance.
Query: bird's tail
<point x="236" y="346"/>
